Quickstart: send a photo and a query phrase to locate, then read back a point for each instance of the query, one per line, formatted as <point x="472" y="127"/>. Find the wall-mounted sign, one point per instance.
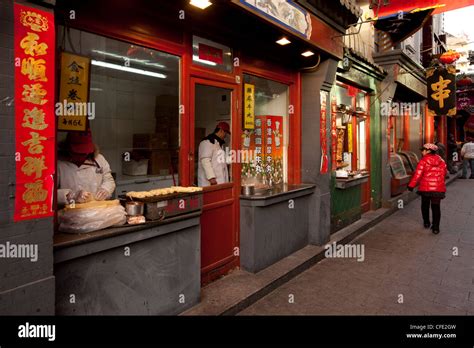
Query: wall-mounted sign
<point x="34" y="45"/>
<point x="284" y="12"/>
<point x="74" y="92"/>
<point x="212" y="55"/>
<point x="349" y="138"/>
<point x="249" y="106"/>
<point x="442" y="90"/>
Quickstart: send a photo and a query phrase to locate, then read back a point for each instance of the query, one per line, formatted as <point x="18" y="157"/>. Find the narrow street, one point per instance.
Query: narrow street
<point x="406" y="271"/>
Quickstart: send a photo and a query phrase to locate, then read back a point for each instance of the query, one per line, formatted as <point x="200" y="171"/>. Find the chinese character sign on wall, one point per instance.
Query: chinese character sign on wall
<point x="442" y="90"/>
<point x="249" y="106"/>
<point x="74" y="92"/>
<point x="34" y="45"/>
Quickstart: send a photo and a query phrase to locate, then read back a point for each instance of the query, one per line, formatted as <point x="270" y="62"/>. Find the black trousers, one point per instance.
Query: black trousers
<point x="435" y="209"/>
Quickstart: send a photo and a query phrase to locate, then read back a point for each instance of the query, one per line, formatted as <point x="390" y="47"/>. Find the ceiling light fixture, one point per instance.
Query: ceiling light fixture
<point x="307" y="54"/>
<point x="202" y="4"/>
<point x="140" y="61"/>
<point x="283" y="41"/>
<point x="127" y="69"/>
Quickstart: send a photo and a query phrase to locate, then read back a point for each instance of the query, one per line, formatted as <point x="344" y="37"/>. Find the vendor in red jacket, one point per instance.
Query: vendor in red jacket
<point x="430" y="176"/>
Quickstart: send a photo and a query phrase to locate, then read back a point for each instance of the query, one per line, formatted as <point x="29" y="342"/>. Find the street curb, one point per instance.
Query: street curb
<point x="344" y="236"/>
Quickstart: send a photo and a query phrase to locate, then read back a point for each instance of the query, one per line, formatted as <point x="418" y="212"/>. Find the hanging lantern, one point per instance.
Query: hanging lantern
<point x="449" y="57"/>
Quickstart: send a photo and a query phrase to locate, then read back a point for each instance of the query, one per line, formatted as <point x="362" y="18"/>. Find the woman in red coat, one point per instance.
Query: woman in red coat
<point x="429" y="175"/>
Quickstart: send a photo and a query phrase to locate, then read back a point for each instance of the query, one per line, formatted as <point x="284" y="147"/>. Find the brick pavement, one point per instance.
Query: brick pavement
<point x="401" y="258"/>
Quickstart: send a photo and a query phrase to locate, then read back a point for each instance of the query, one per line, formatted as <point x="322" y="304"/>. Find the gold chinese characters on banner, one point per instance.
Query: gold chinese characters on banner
<point x="34" y="45"/>
<point x="74" y="92"/>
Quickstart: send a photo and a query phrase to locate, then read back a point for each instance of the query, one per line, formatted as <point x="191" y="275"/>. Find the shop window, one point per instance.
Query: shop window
<point x="352" y="130"/>
<point x="135" y="94"/>
<point x="265" y="106"/>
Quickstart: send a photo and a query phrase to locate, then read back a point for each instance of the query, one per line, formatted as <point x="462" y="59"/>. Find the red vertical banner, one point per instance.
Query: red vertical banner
<point x="323" y="133"/>
<point x="34" y="46"/>
<point x="333" y="132"/>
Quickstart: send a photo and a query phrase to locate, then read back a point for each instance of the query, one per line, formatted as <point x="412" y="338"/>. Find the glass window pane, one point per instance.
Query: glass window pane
<point x="268" y="141"/>
<point x="135" y="92"/>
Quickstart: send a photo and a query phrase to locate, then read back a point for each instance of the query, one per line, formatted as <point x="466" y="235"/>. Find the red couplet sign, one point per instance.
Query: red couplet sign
<point x="34" y="43"/>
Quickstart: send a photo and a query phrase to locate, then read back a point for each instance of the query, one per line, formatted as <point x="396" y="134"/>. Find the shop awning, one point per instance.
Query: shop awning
<point x="400" y="26"/>
<point x="439" y="6"/>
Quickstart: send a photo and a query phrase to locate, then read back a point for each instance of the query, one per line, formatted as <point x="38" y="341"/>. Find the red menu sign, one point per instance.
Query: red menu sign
<point x="34" y="44"/>
<point x="211" y="54"/>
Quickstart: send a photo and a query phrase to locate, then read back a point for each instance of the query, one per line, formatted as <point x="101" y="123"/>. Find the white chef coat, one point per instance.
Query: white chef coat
<point x="212" y="163"/>
<point x="90" y="178"/>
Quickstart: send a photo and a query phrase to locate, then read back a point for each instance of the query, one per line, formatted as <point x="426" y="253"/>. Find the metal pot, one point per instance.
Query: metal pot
<point x="248" y="190"/>
<point x="134" y="208"/>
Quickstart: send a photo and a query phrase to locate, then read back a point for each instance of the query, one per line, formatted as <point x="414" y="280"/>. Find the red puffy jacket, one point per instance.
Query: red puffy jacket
<point x="430" y="174"/>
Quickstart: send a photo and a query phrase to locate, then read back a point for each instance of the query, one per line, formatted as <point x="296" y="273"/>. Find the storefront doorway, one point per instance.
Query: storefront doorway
<point x="213" y="103"/>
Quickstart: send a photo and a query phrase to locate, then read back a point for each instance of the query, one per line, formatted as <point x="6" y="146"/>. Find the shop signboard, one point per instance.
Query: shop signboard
<point x="442" y="90"/>
<point x="349" y="138"/>
<point x="74" y="92"/>
<point x="465" y="101"/>
<point x="285" y="13"/>
<point x="34" y="45"/>
<point x="249" y="106"/>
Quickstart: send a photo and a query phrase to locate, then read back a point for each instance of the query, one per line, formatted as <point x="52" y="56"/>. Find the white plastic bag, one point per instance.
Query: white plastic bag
<point x="83" y="220"/>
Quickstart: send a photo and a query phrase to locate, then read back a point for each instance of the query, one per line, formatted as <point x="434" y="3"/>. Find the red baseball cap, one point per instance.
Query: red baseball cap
<point x="224" y="126"/>
<point x="80" y="142"/>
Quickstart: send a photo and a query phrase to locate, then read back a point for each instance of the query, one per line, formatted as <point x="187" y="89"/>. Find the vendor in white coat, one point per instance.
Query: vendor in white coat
<point x="83" y="174"/>
<point x="212" y="166"/>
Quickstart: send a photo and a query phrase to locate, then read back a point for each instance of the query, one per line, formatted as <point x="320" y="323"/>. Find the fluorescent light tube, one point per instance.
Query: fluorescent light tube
<point x="127" y="68"/>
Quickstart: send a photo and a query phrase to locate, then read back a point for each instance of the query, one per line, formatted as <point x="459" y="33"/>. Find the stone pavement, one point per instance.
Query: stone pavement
<point x="407" y="270"/>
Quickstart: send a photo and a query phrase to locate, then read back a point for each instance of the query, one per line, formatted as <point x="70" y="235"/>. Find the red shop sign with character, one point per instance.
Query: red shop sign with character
<point x="34" y="44"/>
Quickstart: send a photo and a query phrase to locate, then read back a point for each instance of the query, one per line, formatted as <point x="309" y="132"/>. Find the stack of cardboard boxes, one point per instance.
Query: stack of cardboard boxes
<point x="161" y="147"/>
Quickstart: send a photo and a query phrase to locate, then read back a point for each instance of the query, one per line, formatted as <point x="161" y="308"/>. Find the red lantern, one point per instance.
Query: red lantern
<point x="449" y="57"/>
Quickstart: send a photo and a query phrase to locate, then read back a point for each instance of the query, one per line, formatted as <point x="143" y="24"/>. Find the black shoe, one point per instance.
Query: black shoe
<point x="435" y="230"/>
<point x="462" y="177"/>
<point x="472" y="177"/>
<point x="427" y="225"/>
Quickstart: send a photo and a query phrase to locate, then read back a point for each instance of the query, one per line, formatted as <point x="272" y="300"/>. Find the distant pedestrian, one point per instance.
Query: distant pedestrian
<point x="467" y="154"/>
<point x="430" y="176"/>
<point x="443" y="154"/>
<point x="452" y="149"/>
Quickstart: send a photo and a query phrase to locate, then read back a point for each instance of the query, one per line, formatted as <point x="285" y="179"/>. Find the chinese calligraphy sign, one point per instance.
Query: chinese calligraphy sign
<point x="249" y="106"/>
<point x="442" y="90"/>
<point x="74" y="92"/>
<point x="34" y="45"/>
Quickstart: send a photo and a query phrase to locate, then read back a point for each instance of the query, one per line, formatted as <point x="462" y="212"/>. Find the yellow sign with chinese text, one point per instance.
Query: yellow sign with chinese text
<point x="74" y="92"/>
<point x="349" y="138"/>
<point x="249" y="106"/>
